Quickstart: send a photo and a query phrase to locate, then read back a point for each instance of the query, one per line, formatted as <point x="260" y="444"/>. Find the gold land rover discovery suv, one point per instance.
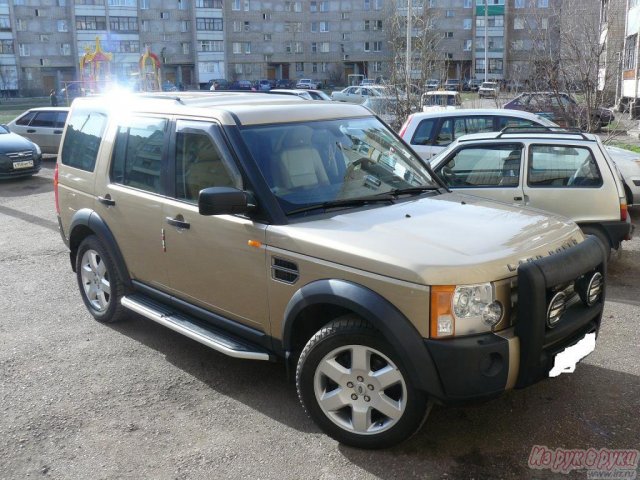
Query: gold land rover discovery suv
<point x="268" y="227"/>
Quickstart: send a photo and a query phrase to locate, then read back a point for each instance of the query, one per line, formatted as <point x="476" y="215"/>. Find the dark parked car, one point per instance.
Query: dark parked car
<point x="284" y="83"/>
<point x="452" y="84"/>
<point x="221" y="84"/>
<point x="241" y="85"/>
<point x="19" y="157"/>
<point x="561" y="108"/>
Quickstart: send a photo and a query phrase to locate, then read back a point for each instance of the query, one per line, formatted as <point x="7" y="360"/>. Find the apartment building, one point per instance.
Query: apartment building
<point x="201" y="40"/>
<point x="630" y="94"/>
<point x="612" y="35"/>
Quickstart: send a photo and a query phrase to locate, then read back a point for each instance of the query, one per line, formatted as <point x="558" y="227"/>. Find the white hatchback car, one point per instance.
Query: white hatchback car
<point x="429" y="133"/>
<point x="563" y="172"/>
<point x="43" y="126"/>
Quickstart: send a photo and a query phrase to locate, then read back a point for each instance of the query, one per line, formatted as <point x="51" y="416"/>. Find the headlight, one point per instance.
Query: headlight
<point x="465" y="309"/>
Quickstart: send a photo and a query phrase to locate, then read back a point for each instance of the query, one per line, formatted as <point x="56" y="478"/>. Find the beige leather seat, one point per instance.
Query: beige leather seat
<point x="206" y="171"/>
<point x="297" y="162"/>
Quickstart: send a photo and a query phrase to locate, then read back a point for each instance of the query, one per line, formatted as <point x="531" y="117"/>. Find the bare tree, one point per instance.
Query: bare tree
<point x="408" y="83"/>
<point x="566" y="55"/>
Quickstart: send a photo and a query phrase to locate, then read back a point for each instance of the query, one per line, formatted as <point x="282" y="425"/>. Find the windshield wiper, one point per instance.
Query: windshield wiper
<point x="345" y="202"/>
<point x="411" y="190"/>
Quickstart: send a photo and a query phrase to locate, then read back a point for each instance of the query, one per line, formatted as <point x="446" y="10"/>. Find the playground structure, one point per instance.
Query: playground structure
<point x="95" y="69"/>
<point x="150" y="72"/>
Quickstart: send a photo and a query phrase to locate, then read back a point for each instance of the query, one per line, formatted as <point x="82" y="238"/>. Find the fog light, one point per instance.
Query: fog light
<point x="594" y="289"/>
<point x="556" y="309"/>
<point x="492" y="314"/>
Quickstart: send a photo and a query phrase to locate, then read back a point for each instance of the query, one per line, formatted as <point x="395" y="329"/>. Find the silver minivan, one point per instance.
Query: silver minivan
<point x="43" y="126"/>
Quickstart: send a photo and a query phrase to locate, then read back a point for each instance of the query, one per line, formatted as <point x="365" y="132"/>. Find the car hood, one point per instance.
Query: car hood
<point x="12" y="142"/>
<point x="443" y="240"/>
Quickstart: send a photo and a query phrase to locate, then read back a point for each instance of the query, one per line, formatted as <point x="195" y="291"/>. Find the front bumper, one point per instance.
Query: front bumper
<point x="483" y="366"/>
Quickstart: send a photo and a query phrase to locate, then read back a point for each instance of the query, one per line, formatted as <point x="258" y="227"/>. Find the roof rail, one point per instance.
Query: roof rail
<point x="161" y="97"/>
<point x="544" y="130"/>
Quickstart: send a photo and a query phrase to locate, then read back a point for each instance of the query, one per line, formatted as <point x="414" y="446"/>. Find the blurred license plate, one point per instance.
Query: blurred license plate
<point x="23" y="164"/>
<point x="566" y="360"/>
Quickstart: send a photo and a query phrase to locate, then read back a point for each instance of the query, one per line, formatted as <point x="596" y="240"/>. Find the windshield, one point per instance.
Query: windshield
<point x="311" y="163"/>
<point x="439" y="100"/>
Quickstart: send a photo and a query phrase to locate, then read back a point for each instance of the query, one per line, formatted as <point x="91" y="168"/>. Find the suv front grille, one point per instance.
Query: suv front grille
<point x="284" y="270"/>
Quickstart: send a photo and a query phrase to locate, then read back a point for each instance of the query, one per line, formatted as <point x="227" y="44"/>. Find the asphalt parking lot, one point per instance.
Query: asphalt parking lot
<point x="135" y="400"/>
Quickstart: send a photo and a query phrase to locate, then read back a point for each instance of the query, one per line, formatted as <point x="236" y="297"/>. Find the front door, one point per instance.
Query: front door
<point x="490" y="171"/>
<point x="211" y="260"/>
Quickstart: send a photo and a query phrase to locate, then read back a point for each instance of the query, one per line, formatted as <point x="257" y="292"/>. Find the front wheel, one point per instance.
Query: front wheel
<point x="352" y="384"/>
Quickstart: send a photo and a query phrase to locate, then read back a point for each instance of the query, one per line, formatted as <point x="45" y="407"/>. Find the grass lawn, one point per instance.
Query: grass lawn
<point x="10" y="108"/>
<point x="626" y="146"/>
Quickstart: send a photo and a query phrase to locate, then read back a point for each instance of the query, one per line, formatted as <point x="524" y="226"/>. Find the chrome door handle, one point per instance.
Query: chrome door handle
<point x="178" y="223"/>
<point x="107" y="201"/>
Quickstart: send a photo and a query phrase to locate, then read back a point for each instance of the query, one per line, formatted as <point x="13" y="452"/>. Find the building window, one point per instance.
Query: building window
<point x="185" y="26"/>
<point x="209" y="24"/>
<point x="144" y="25"/>
<point x="299" y="67"/>
<point x="467" y="45"/>
<point x="377" y="46"/>
<point x="267" y="37"/>
<point x="5" y="23"/>
<point x="324" y="6"/>
<point x="377" y="24"/>
<point x="44" y="38"/>
<point x="448" y="35"/>
<point x="467" y="3"/>
<point x="544" y="23"/>
<point x="314" y="67"/>
<point x="123" y="24"/>
<point x="543" y="3"/>
<point x="519" y="3"/>
<point x="164" y="15"/>
<point x="344" y="15"/>
<point x="236" y="47"/>
<point x="182" y="5"/>
<point x="367" y="48"/>
<point x="466" y="24"/>
<point x="377" y="4"/>
<point x="247" y="7"/>
<point x="298" y="47"/>
<point x="376" y="66"/>
<point x="24" y="50"/>
<point x="208" y="3"/>
<point x="21" y="25"/>
<point x="122" y="3"/>
<point x="211" y="46"/>
<point x="6" y="46"/>
<point x="314" y="27"/>
<point x="367" y="5"/>
<point x="210" y="67"/>
<point x="63" y="26"/>
<point x="313" y="7"/>
<point x="144" y="4"/>
<point x="324" y="47"/>
<point x="266" y="16"/>
<point x="235" y="5"/>
<point x="247" y="48"/>
<point x="324" y="26"/>
<point x="288" y="47"/>
<point x="630" y="52"/>
<point x="236" y="26"/>
<point x="314" y="47"/>
<point x="346" y="36"/>
<point x="451" y="13"/>
<point x="90" y="23"/>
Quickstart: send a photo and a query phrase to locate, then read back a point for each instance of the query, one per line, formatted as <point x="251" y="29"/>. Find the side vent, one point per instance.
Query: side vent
<point x="284" y="271"/>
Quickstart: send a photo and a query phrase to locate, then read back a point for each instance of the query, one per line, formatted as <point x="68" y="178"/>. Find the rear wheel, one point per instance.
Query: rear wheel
<point x="354" y="387"/>
<point x="100" y="286"/>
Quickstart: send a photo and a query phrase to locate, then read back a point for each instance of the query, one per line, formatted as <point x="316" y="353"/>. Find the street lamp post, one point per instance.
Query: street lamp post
<point x="486" y="38"/>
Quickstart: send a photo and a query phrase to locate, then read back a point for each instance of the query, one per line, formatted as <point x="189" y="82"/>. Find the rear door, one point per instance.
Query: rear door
<point x="487" y="170"/>
<point x="41" y="130"/>
<point x="567" y="179"/>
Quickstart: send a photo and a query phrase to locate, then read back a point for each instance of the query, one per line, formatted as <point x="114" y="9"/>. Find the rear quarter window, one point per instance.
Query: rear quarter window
<point x="82" y="139"/>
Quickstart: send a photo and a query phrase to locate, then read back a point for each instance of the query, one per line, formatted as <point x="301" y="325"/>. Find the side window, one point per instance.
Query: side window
<point x="484" y="166"/>
<point x="445" y="135"/>
<point x="200" y="163"/>
<point x="478" y="124"/>
<point x="25" y="119"/>
<point x="504" y="122"/>
<point x="44" y="119"/>
<point x="562" y="166"/>
<point x="82" y="140"/>
<point x="61" y="118"/>
<point x="424" y="132"/>
<point x="137" y="153"/>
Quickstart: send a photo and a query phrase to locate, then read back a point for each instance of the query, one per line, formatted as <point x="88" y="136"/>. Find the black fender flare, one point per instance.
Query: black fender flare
<point x="384" y="316"/>
<point x="89" y="219"/>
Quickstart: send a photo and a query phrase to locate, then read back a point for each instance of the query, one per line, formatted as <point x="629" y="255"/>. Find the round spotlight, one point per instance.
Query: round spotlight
<point x="556" y="309"/>
<point x="492" y="314"/>
<point x="594" y="289"/>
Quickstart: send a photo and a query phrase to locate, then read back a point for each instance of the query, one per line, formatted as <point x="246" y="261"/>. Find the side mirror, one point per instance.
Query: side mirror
<point x="223" y="201"/>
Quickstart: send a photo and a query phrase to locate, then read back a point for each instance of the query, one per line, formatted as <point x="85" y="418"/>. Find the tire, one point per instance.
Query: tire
<point x="600" y="235"/>
<point x="388" y="409"/>
<point x="100" y="286"/>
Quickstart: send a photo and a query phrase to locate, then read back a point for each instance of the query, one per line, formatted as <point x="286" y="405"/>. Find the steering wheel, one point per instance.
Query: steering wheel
<point x="362" y="162"/>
